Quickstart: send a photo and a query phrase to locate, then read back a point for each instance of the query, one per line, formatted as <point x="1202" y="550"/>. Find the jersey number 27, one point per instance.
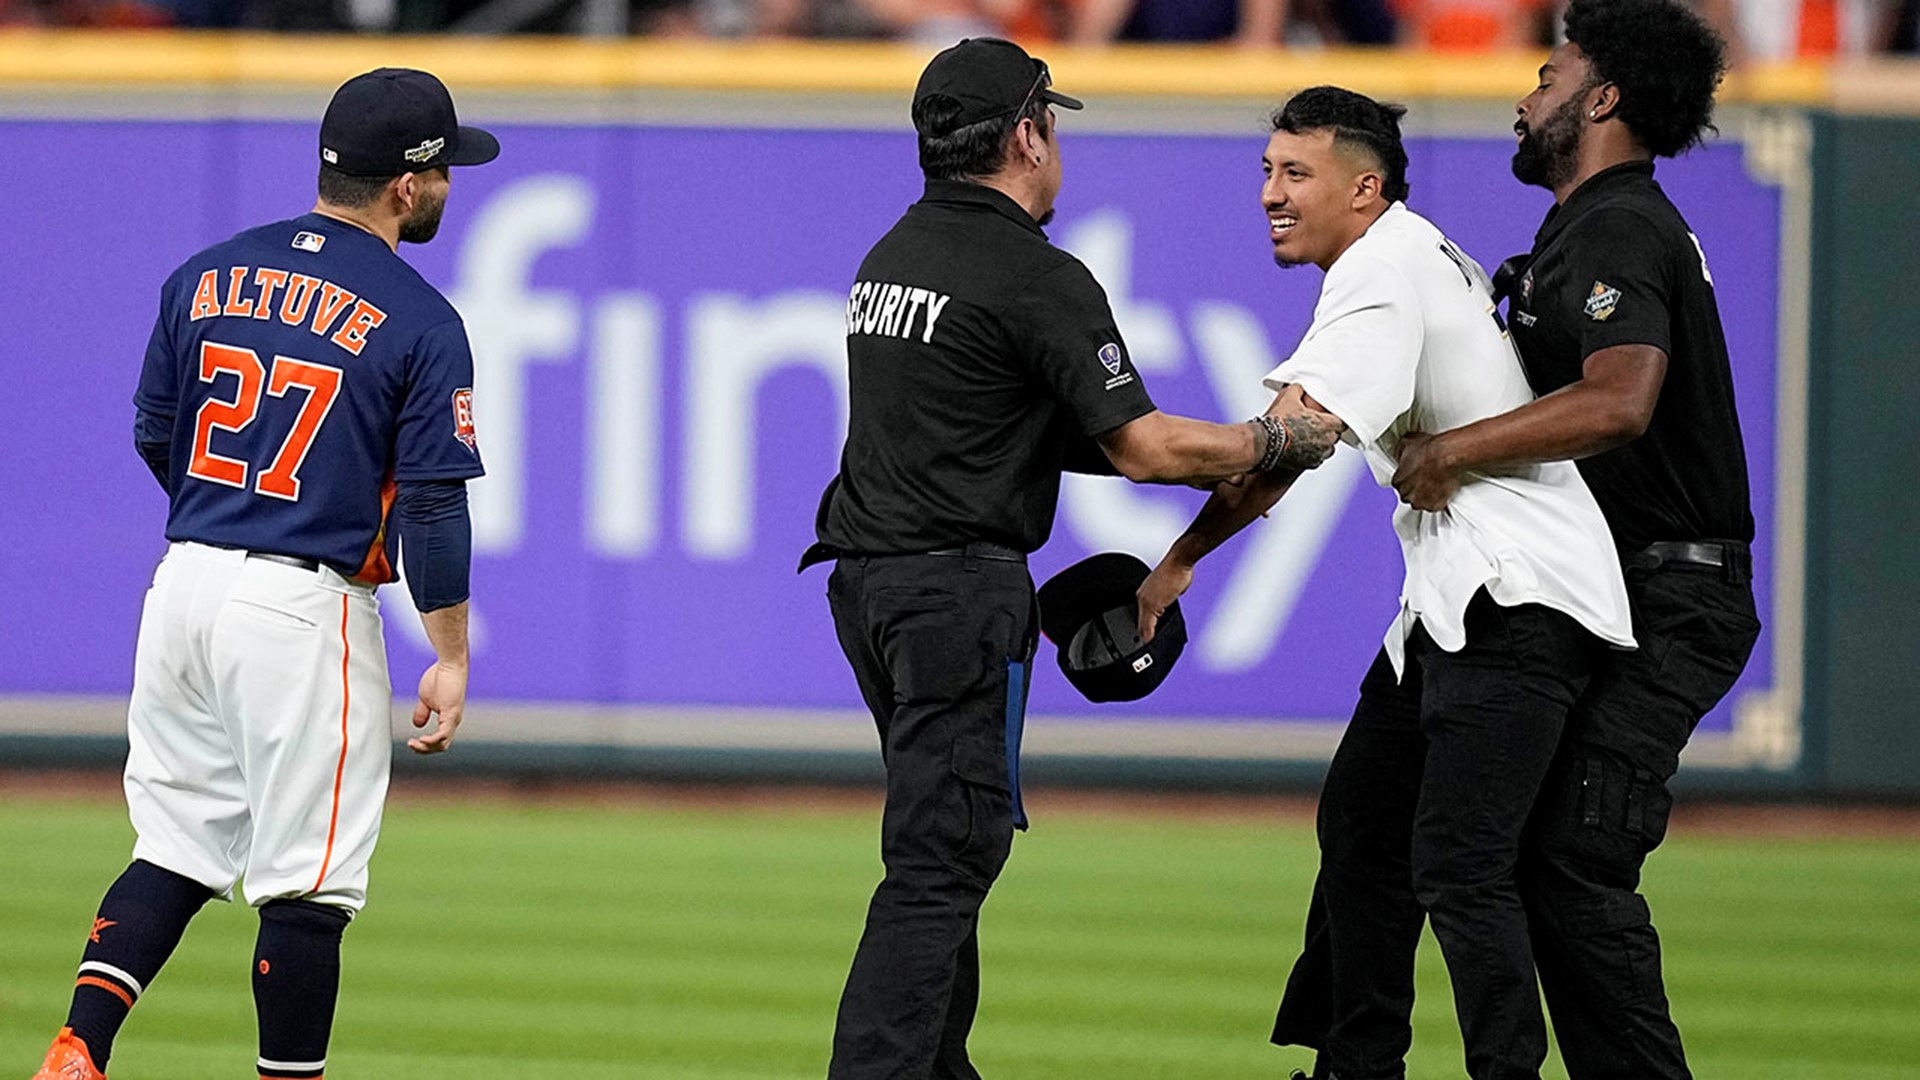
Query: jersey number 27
<point x="281" y="479"/>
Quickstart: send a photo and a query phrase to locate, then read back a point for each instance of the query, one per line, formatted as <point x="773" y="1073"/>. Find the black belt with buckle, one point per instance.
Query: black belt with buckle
<point x="1733" y="558"/>
<point x="286" y="560"/>
<point x="980" y="549"/>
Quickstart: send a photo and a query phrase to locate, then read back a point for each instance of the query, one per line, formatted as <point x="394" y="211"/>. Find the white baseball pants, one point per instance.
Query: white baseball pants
<point x="259" y="731"/>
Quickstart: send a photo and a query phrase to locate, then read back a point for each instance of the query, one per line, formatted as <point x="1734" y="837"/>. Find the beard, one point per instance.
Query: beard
<point x="424" y="223"/>
<point x="1545" y="156"/>
<point x="1046" y="219"/>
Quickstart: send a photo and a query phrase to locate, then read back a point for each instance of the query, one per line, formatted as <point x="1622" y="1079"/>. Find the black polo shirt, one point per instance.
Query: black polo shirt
<point x="982" y="359"/>
<point x="1616" y="265"/>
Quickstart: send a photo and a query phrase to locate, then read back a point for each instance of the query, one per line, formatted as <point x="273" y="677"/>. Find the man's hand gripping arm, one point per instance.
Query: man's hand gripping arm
<point x="1313" y="433"/>
<point x="1610" y="405"/>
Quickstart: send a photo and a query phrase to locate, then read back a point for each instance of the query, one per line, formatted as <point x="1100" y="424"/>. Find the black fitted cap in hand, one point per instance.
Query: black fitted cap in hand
<point x="398" y="120"/>
<point x="990" y="78"/>
<point x="1089" y="612"/>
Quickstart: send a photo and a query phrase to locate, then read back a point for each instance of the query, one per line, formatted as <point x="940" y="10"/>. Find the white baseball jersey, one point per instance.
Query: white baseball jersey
<point x="259" y="735"/>
<point x="1406" y="337"/>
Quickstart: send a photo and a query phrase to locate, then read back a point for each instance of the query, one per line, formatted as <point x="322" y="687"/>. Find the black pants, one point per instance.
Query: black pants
<point x="1605" y="808"/>
<point x="1421" y="817"/>
<point x="940" y="646"/>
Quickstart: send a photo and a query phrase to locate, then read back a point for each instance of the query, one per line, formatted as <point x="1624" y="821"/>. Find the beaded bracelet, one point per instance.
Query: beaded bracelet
<point x="1277" y="441"/>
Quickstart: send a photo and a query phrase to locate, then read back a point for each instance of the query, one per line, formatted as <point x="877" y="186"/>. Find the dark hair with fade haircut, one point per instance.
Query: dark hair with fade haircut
<point x="973" y="151"/>
<point x="1666" y="61"/>
<point x="346" y="189"/>
<point x="1356" y="120"/>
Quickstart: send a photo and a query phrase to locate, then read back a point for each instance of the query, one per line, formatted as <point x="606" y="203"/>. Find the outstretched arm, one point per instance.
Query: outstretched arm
<point x="1611" y="405"/>
<point x="1160" y="448"/>
<point x="1236" y="504"/>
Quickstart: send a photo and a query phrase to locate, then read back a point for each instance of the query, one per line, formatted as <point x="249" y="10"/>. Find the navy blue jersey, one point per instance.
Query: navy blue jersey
<point x="308" y="368"/>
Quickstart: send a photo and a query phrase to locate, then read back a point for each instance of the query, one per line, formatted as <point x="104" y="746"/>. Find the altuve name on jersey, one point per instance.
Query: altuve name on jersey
<point x="891" y="310"/>
<point x="324" y="308"/>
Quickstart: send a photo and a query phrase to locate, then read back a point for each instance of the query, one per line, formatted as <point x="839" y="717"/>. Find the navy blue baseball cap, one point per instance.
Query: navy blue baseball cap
<point x="989" y="77"/>
<point x="1089" y="611"/>
<point x="398" y="120"/>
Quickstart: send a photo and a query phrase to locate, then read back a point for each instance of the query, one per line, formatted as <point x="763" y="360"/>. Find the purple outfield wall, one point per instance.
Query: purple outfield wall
<point x="657" y="314"/>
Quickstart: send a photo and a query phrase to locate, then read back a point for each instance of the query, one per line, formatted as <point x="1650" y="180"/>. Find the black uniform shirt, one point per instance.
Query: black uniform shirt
<point x="982" y="360"/>
<point x="1617" y="265"/>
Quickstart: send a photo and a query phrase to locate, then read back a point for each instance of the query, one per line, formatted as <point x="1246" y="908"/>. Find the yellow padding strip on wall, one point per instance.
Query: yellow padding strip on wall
<point x="184" y="60"/>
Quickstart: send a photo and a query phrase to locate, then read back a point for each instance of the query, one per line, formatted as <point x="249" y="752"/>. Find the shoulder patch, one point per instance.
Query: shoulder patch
<point x="463" y="428"/>
<point x="1602" y="301"/>
<point x="1110" y="358"/>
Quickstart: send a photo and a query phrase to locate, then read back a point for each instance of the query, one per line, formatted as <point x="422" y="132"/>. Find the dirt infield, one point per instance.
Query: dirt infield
<point x="1696" y="817"/>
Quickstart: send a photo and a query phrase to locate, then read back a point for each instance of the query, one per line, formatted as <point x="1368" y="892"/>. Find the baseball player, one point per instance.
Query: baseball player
<point x="1508" y="602"/>
<point x="306" y="398"/>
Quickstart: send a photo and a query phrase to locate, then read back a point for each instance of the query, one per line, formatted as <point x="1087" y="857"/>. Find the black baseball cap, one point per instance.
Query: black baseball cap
<point x="398" y="120"/>
<point x="1089" y="612"/>
<point x="989" y="77"/>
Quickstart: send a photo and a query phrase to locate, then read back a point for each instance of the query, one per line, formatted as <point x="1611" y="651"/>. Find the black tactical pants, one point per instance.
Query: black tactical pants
<point x="1605" y="808"/>
<point x="1421" y="817"/>
<point x="940" y="645"/>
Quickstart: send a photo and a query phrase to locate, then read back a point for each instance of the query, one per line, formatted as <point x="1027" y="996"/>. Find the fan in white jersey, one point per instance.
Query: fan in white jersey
<point x="1511" y="596"/>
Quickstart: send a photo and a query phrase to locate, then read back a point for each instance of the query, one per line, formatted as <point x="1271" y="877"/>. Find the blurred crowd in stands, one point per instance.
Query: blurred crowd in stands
<point x="1759" y="30"/>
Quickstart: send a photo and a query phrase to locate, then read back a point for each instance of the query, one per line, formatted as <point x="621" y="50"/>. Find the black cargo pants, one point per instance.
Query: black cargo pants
<point x="941" y="646"/>
<point x="1605" y="807"/>
<point x="1421" y="818"/>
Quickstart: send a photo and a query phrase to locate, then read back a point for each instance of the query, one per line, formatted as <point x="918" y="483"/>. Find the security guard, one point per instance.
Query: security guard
<point x="983" y="361"/>
<point x="1615" y="319"/>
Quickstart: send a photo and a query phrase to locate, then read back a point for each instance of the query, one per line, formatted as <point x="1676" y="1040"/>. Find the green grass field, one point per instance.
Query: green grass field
<point x="586" y="940"/>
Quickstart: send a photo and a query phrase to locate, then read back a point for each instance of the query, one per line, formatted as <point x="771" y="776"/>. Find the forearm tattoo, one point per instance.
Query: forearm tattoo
<point x="1311" y="437"/>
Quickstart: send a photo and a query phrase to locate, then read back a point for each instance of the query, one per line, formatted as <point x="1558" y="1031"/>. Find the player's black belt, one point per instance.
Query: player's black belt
<point x="1734" y="558"/>
<point x="286" y="560"/>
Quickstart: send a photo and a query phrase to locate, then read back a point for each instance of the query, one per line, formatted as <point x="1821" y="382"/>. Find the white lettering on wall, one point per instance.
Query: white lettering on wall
<point x="626" y="427"/>
<point x="733" y="345"/>
<point x="730" y="345"/>
<point x="1276" y="556"/>
<point x="511" y="328"/>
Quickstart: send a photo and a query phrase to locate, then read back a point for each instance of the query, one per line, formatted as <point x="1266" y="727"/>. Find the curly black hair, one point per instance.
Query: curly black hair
<point x="1355" y="120"/>
<point x="1666" y="61"/>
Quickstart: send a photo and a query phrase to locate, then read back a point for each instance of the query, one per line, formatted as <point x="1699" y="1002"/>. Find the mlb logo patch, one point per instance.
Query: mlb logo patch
<point x="1110" y="358"/>
<point x="463" y="419"/>
<point x="307" y="241"/>
<point x="1601" y="301"/>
